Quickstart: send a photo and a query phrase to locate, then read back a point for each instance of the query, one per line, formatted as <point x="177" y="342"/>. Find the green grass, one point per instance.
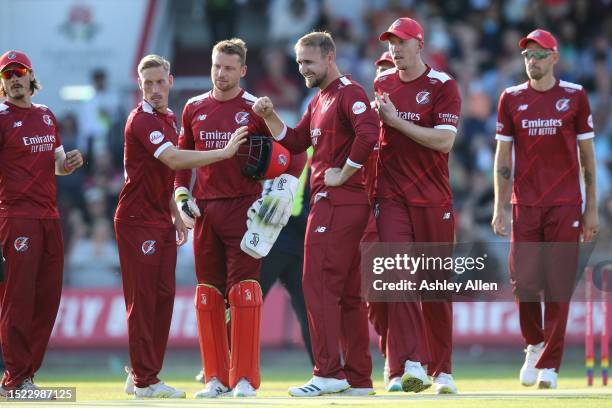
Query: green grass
<point x="487" y="380"/>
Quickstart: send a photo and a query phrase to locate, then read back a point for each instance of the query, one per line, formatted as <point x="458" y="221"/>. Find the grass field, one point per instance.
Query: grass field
<point x="485" y="380"/>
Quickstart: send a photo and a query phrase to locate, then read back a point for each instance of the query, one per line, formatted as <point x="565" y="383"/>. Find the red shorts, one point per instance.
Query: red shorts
<point x="216" y="243"/>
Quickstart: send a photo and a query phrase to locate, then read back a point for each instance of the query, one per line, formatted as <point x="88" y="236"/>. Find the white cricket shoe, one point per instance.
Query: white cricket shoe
<point x="529" y="373"/>
<point x="319" y="386"/>
<point x="394" y="385"/>
<point x="244" y="389"/>
<point x="159" y="390"/>
<point x="200" y="377"/>
<point x="128" y="387"/>
<point x="444" y="384"/>
<point x="415" y="379"/>
<point x="547" y="379"/>
<point x="357" y="392"/>
<point x="212" y="389"/>
<point x="28" y="385"/>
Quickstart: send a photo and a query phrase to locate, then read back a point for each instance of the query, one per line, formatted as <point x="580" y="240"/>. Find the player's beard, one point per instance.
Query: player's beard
<point x="536" y="73"/>
<point x="226" y="86"/>
<point x="316" y="80"/>
<point x="17" y="93"/>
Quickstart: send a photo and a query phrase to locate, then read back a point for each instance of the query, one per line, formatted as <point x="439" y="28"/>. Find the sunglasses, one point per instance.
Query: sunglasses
<point x="537" y="54"/>
<point x="8" y="74"/>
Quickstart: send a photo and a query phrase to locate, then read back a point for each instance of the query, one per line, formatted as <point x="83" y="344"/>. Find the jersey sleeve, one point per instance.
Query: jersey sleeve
<point x="297" y="139"/>
<point x="364" y="121"/>
<point x="150" y="133"/>
<point x="258" y="126"/>
<point x="447" y="107"/>
<point x="505" y="126"/>
<point x="298" y="161"/>
<point x="584" y="118"/>
<point x="186" y="141"/>
<point x="57" y="146"/>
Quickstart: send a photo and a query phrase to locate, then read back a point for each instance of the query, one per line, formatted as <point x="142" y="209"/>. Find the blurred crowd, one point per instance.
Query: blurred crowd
<point x="473" y="40"/>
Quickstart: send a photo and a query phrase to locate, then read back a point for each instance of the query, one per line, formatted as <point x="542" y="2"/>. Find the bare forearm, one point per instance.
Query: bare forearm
<point x="437" y="139"/>
<point x="189" y="159"/>
<point x="502" y="175"/>
<point x="587" y="160"/>
<point x="275" y="124"/>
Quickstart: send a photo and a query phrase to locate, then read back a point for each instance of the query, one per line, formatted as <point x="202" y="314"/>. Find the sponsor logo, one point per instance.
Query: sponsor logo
<point x="281" y="184"/>
<point x="423" y="97"/>
<point x="47" y="120"/>
<point x="411" y="116"/>
<point x="255" y="240"/>
<point x="79" y="24"/>
<point x="376" y="210"/>
<point x="148" y="247"/>
<point x="156" y="137"/>
<point x="242" y="118"/>
<point x="314" y="135"/>
<point x="522" y="107"/>
<point x="203" y="298"/>
<point x="17" y="124"/>
<point x="320" y="228"/>
<point x="215" y="135"/>
<point x="21" y="244"/>
<point x="562" y="104"/>
<point x="359" y="107"/>
<point x="248" y="295"/>
<point x="446" y="216"/>
<point x="526" y="124"/>
<point x="202" y="117"/>
<point x="499" y="127"/>
<point x="396" y="23"/>
<point x="576" y="224"/>
<point x="326" y="104"/>
<point x="12" y="55"/>
<point x="448" y="117"/>
<point x="590" y="121"/>
<point x="281" y="159"/>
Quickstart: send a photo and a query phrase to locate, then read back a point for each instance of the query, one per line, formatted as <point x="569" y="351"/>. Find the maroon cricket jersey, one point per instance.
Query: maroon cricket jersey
<point x="544" y="128"/>
<point x="29" y="140"/>
<point x="208" y="124"/>
<point x="146" y="194"/>
<point x="342" y="128"/>
<point x="406" y="169"/>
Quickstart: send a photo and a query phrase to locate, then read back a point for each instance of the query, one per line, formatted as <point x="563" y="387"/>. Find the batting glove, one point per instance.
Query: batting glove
<point x="277" y="206"/>
<point x="188" y="209"/>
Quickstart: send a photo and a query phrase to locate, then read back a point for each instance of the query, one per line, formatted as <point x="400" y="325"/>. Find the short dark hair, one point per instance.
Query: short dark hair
<point x="321" y="39"/>
<point x="233" y="46"/>
<point x="35" y="86"/>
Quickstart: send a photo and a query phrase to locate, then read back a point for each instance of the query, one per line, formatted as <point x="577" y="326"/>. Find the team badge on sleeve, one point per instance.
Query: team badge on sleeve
<point x="359" y="107"/>
<point x="21" y="244"/>
<point x="590" y="121"/>
<point x="148" y="247"/>
<point x="156" y="137"/>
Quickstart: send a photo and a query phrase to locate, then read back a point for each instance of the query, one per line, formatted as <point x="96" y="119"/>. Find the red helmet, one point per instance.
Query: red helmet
<point x="263" y="158"/>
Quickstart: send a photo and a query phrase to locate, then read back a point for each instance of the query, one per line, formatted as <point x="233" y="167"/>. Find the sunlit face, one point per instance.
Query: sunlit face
<point x="383" y="66"/>
<point x="405" y="53"/>
<point x="539" y="62"/>
<point x="313" y="66"/>
<point x="155" y="84"/>
<point x="226" y="71"/>
<point x="16" y="87"/>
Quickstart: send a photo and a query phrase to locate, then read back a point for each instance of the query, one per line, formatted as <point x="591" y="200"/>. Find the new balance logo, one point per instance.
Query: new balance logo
<point x="522" y="107"/>
<point x="446" y="216"/>
<point x="320" y="229"/>
<point x="17" y="124"/>
<point x="576" y="224"/>
<point x="201" y="117"/>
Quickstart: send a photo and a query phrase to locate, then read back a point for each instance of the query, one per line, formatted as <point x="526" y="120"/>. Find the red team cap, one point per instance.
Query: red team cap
<point x="384" y="57"/>
<point x="405" y="28"/>
<point x="541" y="37"/>
<point x="14" y="57"/>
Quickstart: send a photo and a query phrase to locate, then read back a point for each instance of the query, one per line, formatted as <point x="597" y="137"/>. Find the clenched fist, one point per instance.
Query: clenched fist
<point x="263" y="107"/>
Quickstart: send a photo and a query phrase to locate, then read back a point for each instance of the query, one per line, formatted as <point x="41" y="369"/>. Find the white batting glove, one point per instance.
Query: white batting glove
<point x="277" y="206"/>
<point x="188" y="209"/>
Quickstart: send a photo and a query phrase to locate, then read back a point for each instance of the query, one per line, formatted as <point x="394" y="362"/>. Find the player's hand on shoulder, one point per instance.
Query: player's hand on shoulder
<point x="263" y="107"/>
<point x="238" y="138"/>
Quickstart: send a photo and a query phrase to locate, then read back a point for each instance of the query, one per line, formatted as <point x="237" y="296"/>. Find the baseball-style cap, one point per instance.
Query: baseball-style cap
<point x="542" y="37"/>
<point x="384" y="57"/>
<point x="14" y="57"/>
<point x="405" y="28"/>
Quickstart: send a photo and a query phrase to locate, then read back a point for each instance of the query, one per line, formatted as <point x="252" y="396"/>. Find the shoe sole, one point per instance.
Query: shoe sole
<point x="446" y="391"/>
<point x="545" y="385"/>
<point x="320" y="394"/>
<point x="413" y="384"/>
<point x="395" y="388"/>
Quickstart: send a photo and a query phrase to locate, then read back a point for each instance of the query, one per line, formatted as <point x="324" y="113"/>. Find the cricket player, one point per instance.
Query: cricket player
<point x="542" y="124"/>
<point x="31" y="155"/>
<point x="147" y="221"/>
<point x="217" y="212"/>
<point x="419" y="107"/>
<point x="341" y="126"/>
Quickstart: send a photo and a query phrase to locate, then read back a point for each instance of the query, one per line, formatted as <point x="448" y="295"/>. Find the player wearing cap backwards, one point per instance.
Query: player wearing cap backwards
<point x="31" y="154"/>
<point x="419" y="107"/>
<point x="342" y="128"/>
<point x="147" y="221"/>
<point x="545" y="121"/>
<point x="218" y="213"/>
